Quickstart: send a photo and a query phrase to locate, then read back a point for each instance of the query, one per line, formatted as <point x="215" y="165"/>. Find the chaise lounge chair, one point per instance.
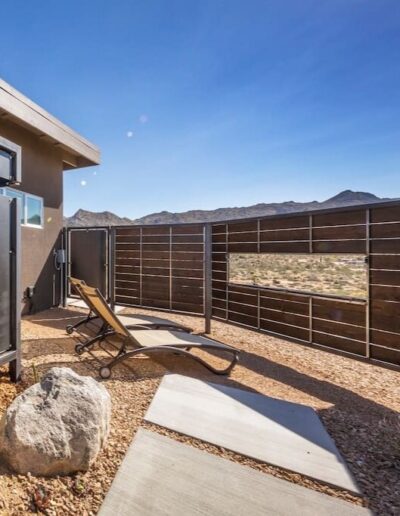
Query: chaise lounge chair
<point x="140" y="320"/>
<point x="136" y="341"/>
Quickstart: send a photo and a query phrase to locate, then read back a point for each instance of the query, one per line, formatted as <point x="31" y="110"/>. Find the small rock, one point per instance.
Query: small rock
<point x="57" y="426"/>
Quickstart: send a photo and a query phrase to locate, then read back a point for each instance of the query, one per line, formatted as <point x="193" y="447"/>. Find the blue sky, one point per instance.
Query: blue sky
<point x="203" y="104"/>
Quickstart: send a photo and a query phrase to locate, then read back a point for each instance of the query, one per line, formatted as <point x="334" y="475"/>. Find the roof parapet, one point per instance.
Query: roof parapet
<point x="77" y="151"/>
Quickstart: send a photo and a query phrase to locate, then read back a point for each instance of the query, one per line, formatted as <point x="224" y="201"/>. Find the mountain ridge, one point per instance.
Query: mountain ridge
<point x="84" y="218"/>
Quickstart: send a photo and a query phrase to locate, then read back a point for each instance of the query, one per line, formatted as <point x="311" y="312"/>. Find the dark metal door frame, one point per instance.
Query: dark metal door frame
<point x="12" y="355"/>
<point x="68" y="251"/>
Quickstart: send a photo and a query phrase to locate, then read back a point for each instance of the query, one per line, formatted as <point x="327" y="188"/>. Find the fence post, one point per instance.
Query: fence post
<point x="64" y="265"/>
<point x="111" y="267"/>
<point x="67" y="264"/>
<point x="15" y="301"/>
<point x="368" y="273"/>
<point x="207" y="277"/>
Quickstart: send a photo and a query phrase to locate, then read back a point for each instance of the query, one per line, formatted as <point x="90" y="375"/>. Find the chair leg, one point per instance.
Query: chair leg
<point x="105" y="371"/>
<point x="73" y="327"/>
<point x="81" y="348"/>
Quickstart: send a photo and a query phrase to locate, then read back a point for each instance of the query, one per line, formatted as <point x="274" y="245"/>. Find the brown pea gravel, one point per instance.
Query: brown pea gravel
<point x="358" y="402"/>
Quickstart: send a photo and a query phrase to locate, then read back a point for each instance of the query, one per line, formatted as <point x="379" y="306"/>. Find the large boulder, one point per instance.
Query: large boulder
<point x="57" y="426"/>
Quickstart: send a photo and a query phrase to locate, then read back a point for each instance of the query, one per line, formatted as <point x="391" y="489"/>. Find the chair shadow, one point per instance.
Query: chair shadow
<point x="62" y="353"/>
<point x="56" y="319"/>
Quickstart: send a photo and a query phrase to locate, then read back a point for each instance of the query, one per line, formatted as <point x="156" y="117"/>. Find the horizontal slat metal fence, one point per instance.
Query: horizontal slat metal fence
<point x="160" y="267"/>
<point x="369" y="328"/>
<point x="385" y="284"/>
<point x="168" y="267"/>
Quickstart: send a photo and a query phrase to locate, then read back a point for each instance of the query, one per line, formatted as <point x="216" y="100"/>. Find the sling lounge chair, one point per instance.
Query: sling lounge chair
<point x="135" y="342"/>
<point x="91" y="316"/>
<point x="140" y="320"/>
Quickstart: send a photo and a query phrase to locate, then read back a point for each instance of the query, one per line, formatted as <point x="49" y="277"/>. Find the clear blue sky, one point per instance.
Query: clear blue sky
<point x="211" y="103"/>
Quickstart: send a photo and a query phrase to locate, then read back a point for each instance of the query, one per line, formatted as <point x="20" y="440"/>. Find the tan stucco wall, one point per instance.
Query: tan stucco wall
<point x="42" y="176"/>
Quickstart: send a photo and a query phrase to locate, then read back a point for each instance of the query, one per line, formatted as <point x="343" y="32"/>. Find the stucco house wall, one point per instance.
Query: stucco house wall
<point x="42" y="170"/>
<point x="48" y="147"/>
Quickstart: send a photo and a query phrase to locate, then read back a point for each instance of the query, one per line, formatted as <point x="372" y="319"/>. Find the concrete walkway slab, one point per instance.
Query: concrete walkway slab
<point x="277" y="432"/>
<point x="159" y="476"/>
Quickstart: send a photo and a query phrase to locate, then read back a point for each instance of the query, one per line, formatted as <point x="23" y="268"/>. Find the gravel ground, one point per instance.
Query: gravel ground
<point x="357" y="402"/>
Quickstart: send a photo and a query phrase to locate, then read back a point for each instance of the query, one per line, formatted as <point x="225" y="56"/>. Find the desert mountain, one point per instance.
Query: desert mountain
<point x="91" y="218"/>
<point x="105" y="218"/>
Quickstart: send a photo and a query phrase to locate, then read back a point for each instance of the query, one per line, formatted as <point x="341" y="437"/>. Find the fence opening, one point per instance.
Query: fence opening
<point x="343" y="275"/>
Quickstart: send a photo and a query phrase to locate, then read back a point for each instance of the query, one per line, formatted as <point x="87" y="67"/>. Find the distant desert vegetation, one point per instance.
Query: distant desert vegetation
<point x="341" y="275"/>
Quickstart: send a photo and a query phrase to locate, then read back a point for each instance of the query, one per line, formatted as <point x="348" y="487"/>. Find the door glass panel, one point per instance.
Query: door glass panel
<point x="14" y="194"/>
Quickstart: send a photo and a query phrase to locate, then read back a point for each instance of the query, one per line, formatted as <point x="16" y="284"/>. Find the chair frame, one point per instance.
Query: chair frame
<point x="116" y="328"/>
<point x="70" y="328"/>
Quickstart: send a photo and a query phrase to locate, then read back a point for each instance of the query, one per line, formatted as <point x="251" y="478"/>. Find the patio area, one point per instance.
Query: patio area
<point x="356" y="401"/>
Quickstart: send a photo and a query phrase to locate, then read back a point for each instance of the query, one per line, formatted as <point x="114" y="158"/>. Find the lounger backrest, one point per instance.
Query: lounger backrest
<point x="75" y="283"/>
<point x="99" y="305"/>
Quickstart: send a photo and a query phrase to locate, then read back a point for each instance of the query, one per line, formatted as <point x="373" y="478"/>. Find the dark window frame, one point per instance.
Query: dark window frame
<point x="15" y="151"/>
<point x="24" y="197"/>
